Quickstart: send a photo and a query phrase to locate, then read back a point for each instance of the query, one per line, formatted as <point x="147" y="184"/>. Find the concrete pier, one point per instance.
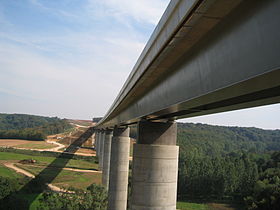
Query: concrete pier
<point x="155" y="167"/>
<point x="99" y="142"/>
<point x="101" y="150"/>
<point x="119" y="168"/>
<point x="97" y="136"/>
<point x="106" y="158"/>
<point x="93" y="137"/>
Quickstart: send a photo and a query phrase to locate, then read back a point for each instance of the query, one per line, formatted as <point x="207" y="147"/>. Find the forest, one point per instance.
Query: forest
<point x="216" y="163"/>
<point x="23" y="126"/>
<point x="229" y="164"/>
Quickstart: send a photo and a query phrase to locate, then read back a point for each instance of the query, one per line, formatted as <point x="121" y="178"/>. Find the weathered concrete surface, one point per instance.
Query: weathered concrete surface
<point x="157" y="133"/>
<point x="97" y="136"/>
<point x="101" y="150"/>
<point x="93" y="138"/>
<point x="155" y="167"/>
<point x="106" y="158"/>
<point x="119" y="168"/>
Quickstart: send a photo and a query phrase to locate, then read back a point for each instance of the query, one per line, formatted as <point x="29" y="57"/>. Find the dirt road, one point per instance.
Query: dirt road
<point x="22" y="144"/>
<point x="69" y="169"/>
<point x="26" y="173"/>
<point x="19" y="170"/>
<point x="13" y="144"/>
<point x="59" y="146"/>
<point x="79" y="126"/>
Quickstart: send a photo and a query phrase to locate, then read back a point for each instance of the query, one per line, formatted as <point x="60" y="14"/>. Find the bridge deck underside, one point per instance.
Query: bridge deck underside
<point x="236" y="65"/>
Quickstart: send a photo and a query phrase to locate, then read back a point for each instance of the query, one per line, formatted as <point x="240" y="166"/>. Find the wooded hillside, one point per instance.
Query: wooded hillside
<point x="229" y="163"/>
<point x="22" y="126"/>
<point x="211" y="139"/>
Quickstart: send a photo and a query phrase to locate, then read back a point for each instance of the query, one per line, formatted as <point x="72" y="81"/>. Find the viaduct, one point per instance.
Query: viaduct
<point x="204" y="56"/>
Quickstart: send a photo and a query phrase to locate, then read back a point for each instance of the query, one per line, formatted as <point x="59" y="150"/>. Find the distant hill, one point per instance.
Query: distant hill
<point x="211" y="139"/>
<point x="23" y="126"/>
<point x="21" y="121"/>
<point x="229" y="163"/>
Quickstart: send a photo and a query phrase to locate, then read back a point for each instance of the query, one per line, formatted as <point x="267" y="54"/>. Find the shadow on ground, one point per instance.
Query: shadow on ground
<point x="48" y="174"/>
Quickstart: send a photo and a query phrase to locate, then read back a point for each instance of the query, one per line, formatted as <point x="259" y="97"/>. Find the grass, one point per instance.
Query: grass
<point x="6" y="172"/>
<point x="60" y="178"/>
<point x="77" y="179"/>
<point x="24" y="143"/>
<point x="16" y="156"/>
<point x="80" y="180"/>
<point x="191" y="206"/>
<point x="208" y="206"/>
<point x="44" y="161"/>
<point x="37" y="145"/>
<point x="65" y="178"/>
<point x="225" y="206"/>
<point x="47" y="154"/>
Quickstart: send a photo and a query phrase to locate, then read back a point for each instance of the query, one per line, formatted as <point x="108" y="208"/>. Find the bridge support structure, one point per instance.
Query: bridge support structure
<point x="96" y="142"/>
<point x="98" y="135"/>
<point x="155" y="166"/>
<point x="101" y="150"/>
<point x="106" y="158"/>
<point x="119" y="169"/>
<point x="93" y="138"/>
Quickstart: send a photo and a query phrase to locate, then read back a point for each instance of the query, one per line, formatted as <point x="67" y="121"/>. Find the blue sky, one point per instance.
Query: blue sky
<point x="70" y="58"/>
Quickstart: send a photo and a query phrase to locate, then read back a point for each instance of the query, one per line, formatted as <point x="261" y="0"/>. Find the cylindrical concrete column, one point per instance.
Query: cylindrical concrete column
<point x="155" y="167"/>
<point x="101" y="150"/>
<point x="106" y="158"/>
<point x="93" y="139"/>
<point x="97" y="142"/>
<point x="119" y="168"/>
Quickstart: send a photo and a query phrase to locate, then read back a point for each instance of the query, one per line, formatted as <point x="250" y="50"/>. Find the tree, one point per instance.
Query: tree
<point x="95" y="197"/>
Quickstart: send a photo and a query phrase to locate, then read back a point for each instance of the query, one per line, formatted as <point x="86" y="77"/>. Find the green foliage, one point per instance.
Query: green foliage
<point x="6" y="186"/>
<point x="214" y="163"/>
<point x="28" y="133"/>
<point x="191" y="206"/>
<point x="14" y="202"/>
<point x="22" y="121"/>
<point x="18" y="194"/>
<point x="95" y="197"/>
<point x="218" y="162"/>
<point x="8" y="173"/>
<point x="8" y="198"/>
<point x="216" y="177"/>
<point x="51" y="200"/>
<point x="21" y="126"/>
<point x="78" y="162"/>
<point x="217" y="140"/>
<point x="18" y="154"/>
<point x="266" y="193"/>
